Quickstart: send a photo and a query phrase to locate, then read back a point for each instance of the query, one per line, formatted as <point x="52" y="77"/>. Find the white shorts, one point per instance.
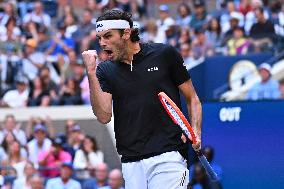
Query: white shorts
<point x="167" y="171"/>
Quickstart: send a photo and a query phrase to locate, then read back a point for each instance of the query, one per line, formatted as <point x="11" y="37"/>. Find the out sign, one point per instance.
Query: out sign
<point x="230" y="114"/>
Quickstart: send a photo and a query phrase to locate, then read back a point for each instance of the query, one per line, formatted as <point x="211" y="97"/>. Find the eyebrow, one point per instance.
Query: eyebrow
<point x="108" y="32"/>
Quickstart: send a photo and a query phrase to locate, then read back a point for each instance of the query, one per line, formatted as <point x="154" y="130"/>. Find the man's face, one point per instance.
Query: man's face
<point x="101" y="173"/>
<point x="65" y="173"/>
<point x="10" y="123"/>
<point x="40" y="135"/>
<point x="264" y="74"/>
<point x="114" y="180"/>
<point x="113" y="44"/>
<point x="36" y="183"/>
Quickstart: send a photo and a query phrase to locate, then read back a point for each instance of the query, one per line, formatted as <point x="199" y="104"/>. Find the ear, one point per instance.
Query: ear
<point x="126" y="34"/>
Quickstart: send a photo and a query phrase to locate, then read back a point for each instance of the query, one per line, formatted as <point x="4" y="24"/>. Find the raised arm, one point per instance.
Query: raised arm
<point x="194" y="109"/>
<point x="101" y="101"/>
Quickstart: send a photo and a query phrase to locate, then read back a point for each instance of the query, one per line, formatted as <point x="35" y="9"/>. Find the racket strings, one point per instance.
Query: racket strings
<point x="176" y="117"/>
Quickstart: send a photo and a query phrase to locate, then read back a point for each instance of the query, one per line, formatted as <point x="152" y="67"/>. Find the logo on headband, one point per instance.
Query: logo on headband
<point x="99" y="25"/>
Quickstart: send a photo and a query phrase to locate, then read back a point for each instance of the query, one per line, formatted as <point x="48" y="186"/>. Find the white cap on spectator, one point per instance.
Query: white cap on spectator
<point x="39" y="127"/>
<point x="164" y="8"/>
<point x="265" y="66"/>
<point x="235" y="15"/>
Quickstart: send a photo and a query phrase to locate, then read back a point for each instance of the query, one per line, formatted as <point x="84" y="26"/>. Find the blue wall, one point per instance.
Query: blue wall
<point x="248" y="138"/>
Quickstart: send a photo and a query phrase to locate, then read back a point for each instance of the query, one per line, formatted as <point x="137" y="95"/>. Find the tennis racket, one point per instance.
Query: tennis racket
<point x="179" y="119"/>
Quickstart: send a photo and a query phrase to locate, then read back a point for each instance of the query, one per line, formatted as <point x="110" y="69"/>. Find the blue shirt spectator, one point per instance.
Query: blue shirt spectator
<point x="64" y="181"/>
<point x="267" y="88"/>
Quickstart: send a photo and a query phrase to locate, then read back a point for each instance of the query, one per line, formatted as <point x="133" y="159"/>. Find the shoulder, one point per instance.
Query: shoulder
<point x="53" y="181"/>
<point x="31" y="143"/>
<point x="74" y="182"/>
<point x="105" y="187"/>
<point x="79" y="153"/>
<point x="102" y="66"/>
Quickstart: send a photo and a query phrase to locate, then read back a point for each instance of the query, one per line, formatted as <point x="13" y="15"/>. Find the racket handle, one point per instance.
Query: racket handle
<point x="209" y="170"/>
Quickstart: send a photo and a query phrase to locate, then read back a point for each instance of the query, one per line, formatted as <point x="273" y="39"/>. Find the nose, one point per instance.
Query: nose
<point x="102" y="42"/>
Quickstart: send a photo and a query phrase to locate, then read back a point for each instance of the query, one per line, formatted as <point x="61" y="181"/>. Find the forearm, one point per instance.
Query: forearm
<point x="195" y="112"/>
<point x="101" y="105"/>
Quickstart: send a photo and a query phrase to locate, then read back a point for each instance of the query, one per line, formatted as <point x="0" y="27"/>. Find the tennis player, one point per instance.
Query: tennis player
<point x="153" y="153"/>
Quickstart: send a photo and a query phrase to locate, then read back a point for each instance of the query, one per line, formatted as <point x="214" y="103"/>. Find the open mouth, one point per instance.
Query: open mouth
<point x="109" y="52"/>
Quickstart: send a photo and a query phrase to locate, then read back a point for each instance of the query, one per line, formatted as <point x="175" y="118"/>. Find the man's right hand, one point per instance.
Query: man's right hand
<point x="90" y="58"/>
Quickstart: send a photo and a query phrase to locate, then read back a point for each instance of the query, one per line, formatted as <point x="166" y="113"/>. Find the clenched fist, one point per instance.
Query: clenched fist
<point x="90" y="58"/>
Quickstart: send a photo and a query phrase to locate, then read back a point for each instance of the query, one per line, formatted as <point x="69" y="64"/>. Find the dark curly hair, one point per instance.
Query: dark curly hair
<point x="116" y="14"/>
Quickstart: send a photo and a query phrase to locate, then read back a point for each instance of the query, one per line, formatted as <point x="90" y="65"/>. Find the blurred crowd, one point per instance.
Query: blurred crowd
<point x="37" y="158"/>
<point x="40" y="45"/>
<point x="34" y="156"/>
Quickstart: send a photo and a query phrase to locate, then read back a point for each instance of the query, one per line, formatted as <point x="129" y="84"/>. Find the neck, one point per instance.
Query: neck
<point x="133" y="48"/>
<point x="65" y="180"/>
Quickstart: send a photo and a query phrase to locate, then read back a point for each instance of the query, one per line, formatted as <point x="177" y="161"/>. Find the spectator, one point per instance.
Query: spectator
<point x="71" y="25"/>
<point x="262" y="32"/>
<point x="84" y="29"/>
<point x="115" y="180"/>
<point x="214" y="32"/>
<point x="39" y="144"/>
<point x="239" y="44"/>
<point x="209" y="153"/>
<point x="37" y="16"/>
<point x="225" y="18"/>
<point x="11" y="126"/>
<point x="7" y="70"/>
<point x="7" y="175"/>
<point x="25" y="182"/>
<point x="10" y="32"/>
<point x="51" y="160"/>
<point x="37" y="182"/>
<point x="185" y="51"/>
<point x="42" y="39"/>
<point x="8" y="141"/>
<point x="99" y="179"/>
<point x="15" y="159"/>
<point x="10" y="41"/>
<point x="68" y="11"/>
<point x="69" y="94"/>
<point x="234" y="23"/>
<point x="88" y="157"/>
<point x="38" y="96"/>
<point x="60" y="45"/>
<point x="200" y="46"/>
<point x="33" y="121"/>
<point x="267" y="88"/>
<point x="165" y="22"/>
<point x="201" y="180"/>
<point x="151" y="33"/>
<point x="48" y="84"/>
<point x="250" y="18"/>
<point x="184" y="36"/>
<point x="245" y="7"/>
<point x="65" y="180"/>
<point x="75" y="138"/>
<point x="199" y="17"/>
<point x="18" y="97"/>
<point x="184" y="15"/>
<point x="32" y="60"/>
<point x="9" y="12"/>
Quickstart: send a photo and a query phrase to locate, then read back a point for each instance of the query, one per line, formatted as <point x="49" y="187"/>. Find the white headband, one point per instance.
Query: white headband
<point x="111" y="24"/>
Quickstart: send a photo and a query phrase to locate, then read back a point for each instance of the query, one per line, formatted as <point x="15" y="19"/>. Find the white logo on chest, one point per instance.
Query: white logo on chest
<point x="153" y="69"/>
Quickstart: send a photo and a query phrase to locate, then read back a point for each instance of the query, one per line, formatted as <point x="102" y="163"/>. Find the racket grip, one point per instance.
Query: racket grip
<point x="209" y="170"/>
